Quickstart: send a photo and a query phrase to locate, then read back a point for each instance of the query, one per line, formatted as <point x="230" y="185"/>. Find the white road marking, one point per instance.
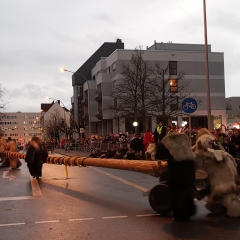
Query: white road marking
<point x="122" y="180"/>
<point x="148" y="215"/>
<point x="35" y="187"/>
<point x="52" y="221"/>
<point x="12" y="177"/>
<point x="80" y="219"/>
<point x="4" y="174"/>
<point x="17" y="198"/>
<point x="115" y="217"/>
<point x="11" y="224"/>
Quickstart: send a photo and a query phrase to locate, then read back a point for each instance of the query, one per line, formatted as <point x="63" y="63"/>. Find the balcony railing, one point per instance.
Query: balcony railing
<point x="99" y="115"/>
<point x="98" y="96"/>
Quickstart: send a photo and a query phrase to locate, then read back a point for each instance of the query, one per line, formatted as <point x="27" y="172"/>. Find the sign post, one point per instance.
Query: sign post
<point x="81" y="134"/>
<point x="189" y="105"/>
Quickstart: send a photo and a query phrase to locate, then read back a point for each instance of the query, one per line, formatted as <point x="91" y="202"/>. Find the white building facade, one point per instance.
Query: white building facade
<point x="53" y="111"/>
<point x="189" y="58"/>
<point x="20" y="126"/>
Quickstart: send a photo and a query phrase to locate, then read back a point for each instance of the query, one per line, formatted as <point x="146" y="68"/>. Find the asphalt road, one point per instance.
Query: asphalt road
<point x="94" y="203"/>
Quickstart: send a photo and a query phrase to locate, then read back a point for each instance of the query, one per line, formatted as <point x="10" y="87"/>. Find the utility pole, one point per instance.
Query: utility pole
<point x="207" y="68"/>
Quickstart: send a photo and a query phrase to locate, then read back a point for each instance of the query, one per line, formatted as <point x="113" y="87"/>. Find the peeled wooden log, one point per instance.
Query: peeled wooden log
<point x="154" y="168"/>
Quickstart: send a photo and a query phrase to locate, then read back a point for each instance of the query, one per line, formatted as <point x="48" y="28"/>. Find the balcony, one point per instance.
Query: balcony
<point x="99" y="115"/>
<point x="98" y="96"/>
<point x="84" y="102"/>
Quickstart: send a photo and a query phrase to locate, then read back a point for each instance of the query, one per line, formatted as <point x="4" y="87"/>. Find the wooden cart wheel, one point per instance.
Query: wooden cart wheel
<point x="160" y="198"/>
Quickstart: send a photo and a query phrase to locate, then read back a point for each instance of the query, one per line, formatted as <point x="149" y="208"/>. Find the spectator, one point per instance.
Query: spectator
<point x="159" y="133"/>
<point x="148" y="137"/>
<point x="234" y="146"/>
<point x="136" y="144"/>
<point x="225" y="144"/>
<point x="131" y="154"/>
<point x="169" y="130"/>
<point x="117" y="155"/>
<point x="123" y="151"/>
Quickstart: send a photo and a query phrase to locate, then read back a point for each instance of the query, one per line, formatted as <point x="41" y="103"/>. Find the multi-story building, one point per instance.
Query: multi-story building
<point x="20" y="126"/>
<point x="189" y="58"/>
<point x="81" y="76"/>
<point x="233" y="110"/>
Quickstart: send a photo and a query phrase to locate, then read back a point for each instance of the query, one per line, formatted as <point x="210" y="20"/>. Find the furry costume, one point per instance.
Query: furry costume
<point x="151" y="151"/>
<point x="175" y="148"/>
<point x="36" y="156"/>
<point x="3" y="147"/>
<point x="14" y="161"/>
<point x="222" y="172"/>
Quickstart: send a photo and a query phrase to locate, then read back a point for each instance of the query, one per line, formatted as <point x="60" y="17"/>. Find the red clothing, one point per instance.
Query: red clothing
<point x="148" y="137"/>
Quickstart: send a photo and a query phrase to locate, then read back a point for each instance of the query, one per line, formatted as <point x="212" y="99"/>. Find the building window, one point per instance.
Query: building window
<point x="108" y="70"/>
<point x="173" y="85"/>
<point x="114" y="66"/>
<point x="172" y="67"/>
<point x="115" y="102"/>
<point x="94" y="77"/>
<point x="114" y="84"/>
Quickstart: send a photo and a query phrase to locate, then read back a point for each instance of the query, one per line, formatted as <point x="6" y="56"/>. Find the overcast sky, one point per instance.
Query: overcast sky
<point x="38" y="37"/>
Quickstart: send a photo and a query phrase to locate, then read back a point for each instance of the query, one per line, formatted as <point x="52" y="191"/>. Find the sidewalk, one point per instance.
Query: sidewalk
<point x="72" y="153"/>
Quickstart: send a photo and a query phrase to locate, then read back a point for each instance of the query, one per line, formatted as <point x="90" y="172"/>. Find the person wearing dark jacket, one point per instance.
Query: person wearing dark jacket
<point x="175" y="149"/>
<point x="136" y="144"/>
<point x="36" y="156"/>
<point x="234" y="144"/>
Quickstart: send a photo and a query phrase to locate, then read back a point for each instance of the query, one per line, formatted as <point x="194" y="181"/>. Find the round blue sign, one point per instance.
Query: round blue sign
<point x="189" y="105"/>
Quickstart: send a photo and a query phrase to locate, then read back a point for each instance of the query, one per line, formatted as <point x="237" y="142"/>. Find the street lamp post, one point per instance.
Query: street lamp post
<point x="135" y="124"/>
<point x="207" y="67"/>
<point x="65" y="125"/>
<point x="89" y="116"/>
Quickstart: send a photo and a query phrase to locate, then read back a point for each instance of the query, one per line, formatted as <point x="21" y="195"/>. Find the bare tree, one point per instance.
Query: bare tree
<point x="131" y="96"/>
<point x="148" y="91"/>
<point x="168" y="91"/>
<point x="76" y="126"/>
<point x="3" y="102"/>
<point x="54" y="126"/>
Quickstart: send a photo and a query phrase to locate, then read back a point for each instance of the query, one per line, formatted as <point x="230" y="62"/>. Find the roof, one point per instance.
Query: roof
<point x="46" y="106"/>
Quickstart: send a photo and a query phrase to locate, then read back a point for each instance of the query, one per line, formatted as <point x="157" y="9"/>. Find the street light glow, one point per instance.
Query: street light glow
<point x="135" y="124"/>
<point x="89" y="116"/>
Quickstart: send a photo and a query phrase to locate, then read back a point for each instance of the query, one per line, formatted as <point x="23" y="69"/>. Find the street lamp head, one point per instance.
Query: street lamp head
<point x="63" y="70"/>
<point x="135" y="124"/>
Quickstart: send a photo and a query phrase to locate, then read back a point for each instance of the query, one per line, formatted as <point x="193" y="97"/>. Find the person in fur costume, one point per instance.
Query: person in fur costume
<point x="221" y="170"/>
<point x="3" y="147"/>
<point x="175" y="148"/>
<point x="12" y="147"/>
<point x="35" y="157"/>
<point x="151" y="151"/>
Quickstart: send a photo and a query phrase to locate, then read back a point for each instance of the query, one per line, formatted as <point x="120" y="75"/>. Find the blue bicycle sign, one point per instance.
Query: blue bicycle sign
<point x="189" y="105"/>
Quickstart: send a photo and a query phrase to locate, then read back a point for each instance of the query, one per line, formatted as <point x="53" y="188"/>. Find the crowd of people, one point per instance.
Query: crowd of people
<point x="123" y="146"/>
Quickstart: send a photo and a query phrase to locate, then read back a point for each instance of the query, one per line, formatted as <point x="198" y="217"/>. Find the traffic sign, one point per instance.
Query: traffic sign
<point x="189" y="105"/>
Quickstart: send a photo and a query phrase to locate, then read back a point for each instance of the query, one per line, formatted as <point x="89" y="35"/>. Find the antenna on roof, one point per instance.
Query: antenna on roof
<point x="118" y="39"/>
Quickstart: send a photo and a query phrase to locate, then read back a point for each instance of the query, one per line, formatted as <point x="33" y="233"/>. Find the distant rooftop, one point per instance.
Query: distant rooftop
<point x="169" y="46"/>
